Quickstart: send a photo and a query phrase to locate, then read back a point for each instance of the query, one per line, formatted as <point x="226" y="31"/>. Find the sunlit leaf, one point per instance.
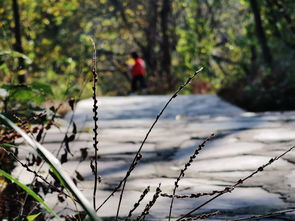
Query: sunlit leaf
<point x="33" y="217"/>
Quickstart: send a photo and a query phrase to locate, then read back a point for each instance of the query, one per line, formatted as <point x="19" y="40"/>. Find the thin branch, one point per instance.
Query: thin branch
<point x="182" y="172"/>
<point x="146" y="211"/>
<point x="202" y="216"/>
<point x="191" y="196"/>
<point x="138" y="155"/>
<point x="136" y="159"/>
<point x="281" y="212"/>
<point x="238" y="183"/>
<point x="145" y="192"/>
<point x="36" y="174"/>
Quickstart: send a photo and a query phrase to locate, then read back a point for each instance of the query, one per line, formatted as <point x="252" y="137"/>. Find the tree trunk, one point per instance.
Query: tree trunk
<point x="260" y="33"/>
<point x="151" y="35"/>
<point x="18" y="42"/>
<point x="165" y="44"/>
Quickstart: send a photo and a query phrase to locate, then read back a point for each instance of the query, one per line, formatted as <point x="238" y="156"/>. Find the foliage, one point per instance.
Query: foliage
<point x="56" y="169"/>
<point x="30" y="192"/>
<point x="266" y="76"/>
<point x="172" y="36"/>
<point x="247" y="48"/>
<point x="33" y="217"/>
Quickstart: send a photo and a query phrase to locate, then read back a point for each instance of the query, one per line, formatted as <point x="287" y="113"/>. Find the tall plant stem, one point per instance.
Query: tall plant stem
<point x="182" y="172"/>
<point x="138" y="155"/>
<point x="95" y="118"/>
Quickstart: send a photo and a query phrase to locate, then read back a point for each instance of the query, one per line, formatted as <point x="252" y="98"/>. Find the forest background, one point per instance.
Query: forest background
<point x="246" y="46"/>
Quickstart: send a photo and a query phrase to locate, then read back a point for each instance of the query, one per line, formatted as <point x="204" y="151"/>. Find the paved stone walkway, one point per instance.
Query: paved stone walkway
<point x="243" y="142"/>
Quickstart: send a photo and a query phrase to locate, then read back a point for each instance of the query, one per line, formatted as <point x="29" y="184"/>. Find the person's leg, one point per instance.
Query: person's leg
<point x="133" y="84"/>
<point x="142" y="82"/>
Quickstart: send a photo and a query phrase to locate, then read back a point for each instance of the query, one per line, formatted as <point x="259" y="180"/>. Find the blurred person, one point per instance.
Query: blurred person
<point x="137" y="69"/>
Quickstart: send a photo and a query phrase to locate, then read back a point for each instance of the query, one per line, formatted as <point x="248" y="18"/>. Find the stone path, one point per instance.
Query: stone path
<point x="243" y="142"/>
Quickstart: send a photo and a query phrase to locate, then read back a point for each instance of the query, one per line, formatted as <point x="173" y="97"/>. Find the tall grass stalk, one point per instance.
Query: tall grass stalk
<point x="138" y="155"/>
<point x="182" y="172"/>
<point x="238" y="183"/>
<point x="36" y="174"/>
<point x="95" y="119"/>
<point x="56" y="167"/>
<point x="273" y="214"/>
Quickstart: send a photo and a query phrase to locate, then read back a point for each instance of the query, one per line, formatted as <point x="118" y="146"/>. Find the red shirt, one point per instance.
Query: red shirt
<point x="138" y="68"/>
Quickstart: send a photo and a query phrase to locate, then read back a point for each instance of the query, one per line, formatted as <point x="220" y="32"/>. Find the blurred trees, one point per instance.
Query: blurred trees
<point x="247" y="47"/>
<point x="269" y="77"/>
<point x="39" y="32"/>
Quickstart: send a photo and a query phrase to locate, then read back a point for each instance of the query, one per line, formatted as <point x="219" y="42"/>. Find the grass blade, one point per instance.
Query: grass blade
<point x="7" y="145"/>
<point x="56" y="166"/>
<point x="33" y="217"/>
<point x="30" y="192"/>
